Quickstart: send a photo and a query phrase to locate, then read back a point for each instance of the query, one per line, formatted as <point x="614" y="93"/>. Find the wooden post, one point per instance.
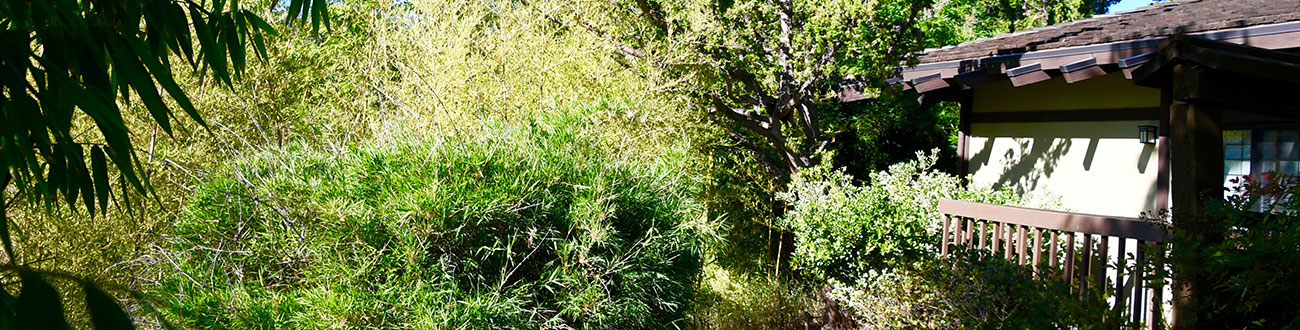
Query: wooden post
<point x="963" y="134"/>
<point x="1196" y="169"/>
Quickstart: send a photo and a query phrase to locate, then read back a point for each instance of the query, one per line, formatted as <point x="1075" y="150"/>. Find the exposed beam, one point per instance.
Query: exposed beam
<point x="1027" y="74"/>
<point x="1130" y="64"/>
<point x="929" y="82"/>
<point x="1082" y="70"/>
<point x="975" y="78"/>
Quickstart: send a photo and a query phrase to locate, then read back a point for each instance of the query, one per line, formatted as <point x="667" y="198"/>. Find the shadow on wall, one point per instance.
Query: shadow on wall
<point x="1021" y="169"/>
<point x="1036" y="157"/>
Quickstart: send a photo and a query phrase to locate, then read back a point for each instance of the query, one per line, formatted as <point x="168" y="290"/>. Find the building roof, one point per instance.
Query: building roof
<point x="1158" y="20"/>
<point x="1096" y="46"/>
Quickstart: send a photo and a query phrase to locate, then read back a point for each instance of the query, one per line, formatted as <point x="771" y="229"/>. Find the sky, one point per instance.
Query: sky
<point x="1126" y="5"/>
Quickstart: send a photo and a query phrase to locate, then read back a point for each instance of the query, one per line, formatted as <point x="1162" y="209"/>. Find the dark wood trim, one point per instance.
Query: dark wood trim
<point x="1162" y="151"/>
<point x="975" y="78"/>
<point x="1057" y="220"/>
<point x="929" y="83"/>
<point x="1039" y="116"/>
<point x="963" y="134"/>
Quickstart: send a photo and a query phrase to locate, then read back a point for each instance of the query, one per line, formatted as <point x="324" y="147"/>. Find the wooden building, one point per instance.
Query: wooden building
<point x="1117" y="115"/>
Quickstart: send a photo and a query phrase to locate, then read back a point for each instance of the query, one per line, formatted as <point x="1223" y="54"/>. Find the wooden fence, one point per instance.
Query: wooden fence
<point x="1077" y="246"/>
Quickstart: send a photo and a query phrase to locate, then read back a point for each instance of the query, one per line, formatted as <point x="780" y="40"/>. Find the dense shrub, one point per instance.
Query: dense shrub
<point x="843" y="229"/>
<point x="974" y="290"/>
<point x="538" y="226"/>
<point x="1242" y="263"/>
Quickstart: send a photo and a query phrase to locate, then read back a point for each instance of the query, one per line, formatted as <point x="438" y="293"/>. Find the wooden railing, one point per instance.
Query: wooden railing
<point x="1076" y="247"/>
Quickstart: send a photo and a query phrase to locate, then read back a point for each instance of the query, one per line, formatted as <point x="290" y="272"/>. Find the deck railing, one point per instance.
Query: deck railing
<point x="1077" y="247"/>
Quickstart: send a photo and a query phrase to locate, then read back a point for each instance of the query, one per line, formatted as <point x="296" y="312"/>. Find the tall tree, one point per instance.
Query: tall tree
<point x="765" y="67"/>
<point x="67" y="63"/>
<point x="769" y="69"/>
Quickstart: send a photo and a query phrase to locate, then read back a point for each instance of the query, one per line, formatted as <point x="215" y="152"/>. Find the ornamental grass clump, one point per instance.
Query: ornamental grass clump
<point x="537" y="226"/>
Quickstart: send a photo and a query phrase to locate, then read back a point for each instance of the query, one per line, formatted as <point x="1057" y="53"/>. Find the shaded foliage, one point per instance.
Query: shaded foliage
<point x="1241" y="264"/>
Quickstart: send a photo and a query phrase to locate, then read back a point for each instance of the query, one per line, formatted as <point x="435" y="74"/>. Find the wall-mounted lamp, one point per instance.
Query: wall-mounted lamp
<point x="1147" y="134"/>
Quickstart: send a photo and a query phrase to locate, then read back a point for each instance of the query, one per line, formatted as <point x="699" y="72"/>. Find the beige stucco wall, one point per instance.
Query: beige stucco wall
<point x="1094" y="167"/>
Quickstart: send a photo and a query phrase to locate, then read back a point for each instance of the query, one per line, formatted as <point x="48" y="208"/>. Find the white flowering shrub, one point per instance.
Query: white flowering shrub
<point x="842" y="229"/>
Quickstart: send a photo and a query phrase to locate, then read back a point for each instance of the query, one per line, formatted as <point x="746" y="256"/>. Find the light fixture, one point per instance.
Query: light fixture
<point x="1147" y="134"/>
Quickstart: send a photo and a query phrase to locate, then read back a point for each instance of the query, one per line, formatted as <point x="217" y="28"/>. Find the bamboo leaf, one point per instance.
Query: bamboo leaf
<point x="119" y="143"/>
<point x="315" y="8"/>
<point x="216" y="56"/>
<point x="201" y="31"/>
<point x="260" y="46"/>
<point x="136" y="75"/>
<point x="236" y="44"/>
<point x="295" y="10"/>
<point x="182" y="31"/>
<point x="39" y="304"/>
<point x="8" y="320"/>
<point x="100" y="168"/>
<point x="162" y="72"/>
<point x="105" y="312"/>
<point x="86" y="183"/>
<point x="259" y="23"/>
<point x="4" y="230"/>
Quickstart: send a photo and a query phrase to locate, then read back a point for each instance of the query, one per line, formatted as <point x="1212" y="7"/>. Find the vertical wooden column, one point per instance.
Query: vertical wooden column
<point x="1196" y="169"/>
<point x="963" y="134"/>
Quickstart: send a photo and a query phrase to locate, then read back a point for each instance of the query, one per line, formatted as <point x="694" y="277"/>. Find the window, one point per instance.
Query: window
<point x="1254" y="152"/>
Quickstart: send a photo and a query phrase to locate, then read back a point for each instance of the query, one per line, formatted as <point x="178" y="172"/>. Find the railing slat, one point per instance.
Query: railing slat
<point x="1069" y="258"/>
<point x="1153" y="307"/>
<point x="1137" y="283"/>
<point x="1119" y="275"/>
<point x="943" y="249"/>
<point x="1051" y="255"/>
<point x="1038" y="248"/>
<point x="957" y="233"/>
<point x="1008" y="241"/>
<point x="984" y="233"/>
<point x="997" y="237"/>
<point x="1021" y="242"/>
<point x="1086" y="268"/>
<point x="970" y="233"/>
<point x="1099" y="265"/>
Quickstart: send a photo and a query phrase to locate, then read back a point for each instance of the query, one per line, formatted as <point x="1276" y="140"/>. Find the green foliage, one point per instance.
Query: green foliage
<point x="1242" y="264"/>
<point x="536" y="226"/>
<point x="842" y="229"/>
<point x="765" y="70"/>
